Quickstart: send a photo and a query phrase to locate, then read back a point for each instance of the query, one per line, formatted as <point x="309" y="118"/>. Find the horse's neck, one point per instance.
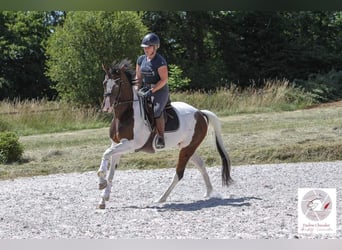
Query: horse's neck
<point x="127" y="100"/>
<point x="135" y="92"/>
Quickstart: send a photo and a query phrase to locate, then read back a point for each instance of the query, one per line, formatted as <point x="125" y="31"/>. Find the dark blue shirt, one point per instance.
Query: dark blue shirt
<point x="149" y="69"/>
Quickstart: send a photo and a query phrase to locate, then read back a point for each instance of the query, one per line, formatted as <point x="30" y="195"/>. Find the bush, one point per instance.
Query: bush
<point x="4" y="126"/>
<point x="176" y="80"/>
<point x="87" y="39"/>
<point x="10" y="148"/>
<point x="324" y="87"/>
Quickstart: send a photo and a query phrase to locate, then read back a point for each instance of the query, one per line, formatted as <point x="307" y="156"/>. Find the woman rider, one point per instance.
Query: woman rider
<point x="152" y="72"/>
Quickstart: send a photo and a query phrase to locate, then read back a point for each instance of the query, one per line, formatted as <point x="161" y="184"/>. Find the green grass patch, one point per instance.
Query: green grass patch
<point x="258" y="126"/>
<point x="274" y="137"/>
<point x="42" y="116"/>
<point x="274" y="96"/>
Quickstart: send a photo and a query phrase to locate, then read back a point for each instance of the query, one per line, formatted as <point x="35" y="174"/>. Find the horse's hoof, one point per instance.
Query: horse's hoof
<point x="101" y="174"/>
<point x="101" y="206"/>
<point x="160" y="201"/>
<point x="103" y="185"/>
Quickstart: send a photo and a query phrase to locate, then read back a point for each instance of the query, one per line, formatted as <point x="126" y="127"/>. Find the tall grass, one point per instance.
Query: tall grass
<point x="266" y="137"/>
<point x="274" y="96"/>
<point x="42" y="116"/>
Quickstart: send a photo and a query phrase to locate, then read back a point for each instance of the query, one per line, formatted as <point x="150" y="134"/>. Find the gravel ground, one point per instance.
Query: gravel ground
<point x="261" y="204"/>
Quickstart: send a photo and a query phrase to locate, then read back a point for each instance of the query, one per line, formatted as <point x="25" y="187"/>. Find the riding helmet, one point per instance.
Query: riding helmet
<point x="149" y="40"/>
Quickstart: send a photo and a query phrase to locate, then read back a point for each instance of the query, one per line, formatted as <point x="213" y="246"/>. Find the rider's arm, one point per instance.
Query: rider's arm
<point x="163" y="74"/>
<point x="138" y="76"/>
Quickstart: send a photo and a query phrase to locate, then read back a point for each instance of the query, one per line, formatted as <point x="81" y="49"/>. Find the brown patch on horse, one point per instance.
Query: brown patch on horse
<point x="122" y="125"/>
<point x="185" y="154"/>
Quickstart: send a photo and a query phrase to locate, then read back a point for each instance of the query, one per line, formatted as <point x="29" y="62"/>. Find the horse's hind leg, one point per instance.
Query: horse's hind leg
<point x="195" y="158"/>
<point x="184" y="156"/>
<point x="187" y="152"/>
<point x="169" y="189"/>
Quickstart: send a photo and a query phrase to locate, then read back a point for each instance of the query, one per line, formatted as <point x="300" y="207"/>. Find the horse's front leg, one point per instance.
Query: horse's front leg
<point x="102" y="171"/>
<point x="105" y="182"/>
<point x="107" y="190"/>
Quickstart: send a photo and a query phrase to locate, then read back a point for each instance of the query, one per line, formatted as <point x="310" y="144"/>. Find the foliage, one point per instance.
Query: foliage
<point x="176" y="81"/>
<point x="22" y="57"/>
<point x="213" y="48"/>
<point x="216" y="48"/>
<point x="4" y="126"/>
<point x="324" y="87"/>
<point x="189" y="43"/>
<point x="11" y="149"/>
<point x="87" y="39"/>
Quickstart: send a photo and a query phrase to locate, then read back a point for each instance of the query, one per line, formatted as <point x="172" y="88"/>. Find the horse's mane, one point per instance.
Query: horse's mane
<point x="129" y="71"/>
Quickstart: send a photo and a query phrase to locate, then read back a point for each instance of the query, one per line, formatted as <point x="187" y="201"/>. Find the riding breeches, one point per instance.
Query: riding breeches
<point x="160" y="99"/>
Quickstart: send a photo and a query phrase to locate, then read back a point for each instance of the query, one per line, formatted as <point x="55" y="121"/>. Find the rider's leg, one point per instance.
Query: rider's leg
<point x="160" y="125"/>
<point x="161" y="97"/>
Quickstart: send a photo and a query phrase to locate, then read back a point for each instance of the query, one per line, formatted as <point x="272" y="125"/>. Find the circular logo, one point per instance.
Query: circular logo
<point x="316" y="205"/>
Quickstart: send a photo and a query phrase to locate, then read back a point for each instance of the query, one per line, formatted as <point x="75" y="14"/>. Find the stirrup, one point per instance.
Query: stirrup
<point x="160" y="143"/>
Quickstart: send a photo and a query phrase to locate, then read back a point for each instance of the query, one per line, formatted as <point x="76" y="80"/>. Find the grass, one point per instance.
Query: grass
<point x="297" y="136"/>
<point x="291" y="136"/>
<point x="42" y="116"/>
<point x="266" y="125"/>
<point x="274" y="96"/>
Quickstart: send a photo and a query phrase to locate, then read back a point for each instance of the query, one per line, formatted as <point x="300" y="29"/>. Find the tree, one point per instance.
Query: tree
<point x="187" y="41"/>
<point x="22" y="57"/>
<point x="216" y="48"/>
<point x="77" y="49"/>
<point x="315" y="43"/>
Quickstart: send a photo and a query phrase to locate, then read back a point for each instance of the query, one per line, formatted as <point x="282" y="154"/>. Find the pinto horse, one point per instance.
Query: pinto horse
<point x="131" y="132"/>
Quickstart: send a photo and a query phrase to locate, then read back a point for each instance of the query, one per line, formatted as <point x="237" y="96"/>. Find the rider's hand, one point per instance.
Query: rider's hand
<point x="145" y="93"/>
<point x="148" y="93"/>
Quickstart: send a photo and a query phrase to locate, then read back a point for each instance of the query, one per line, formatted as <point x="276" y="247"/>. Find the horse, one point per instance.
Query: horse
<point x="131" y="132"/>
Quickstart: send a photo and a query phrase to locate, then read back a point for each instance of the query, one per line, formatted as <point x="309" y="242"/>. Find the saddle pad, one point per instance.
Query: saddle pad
<point x="172" y="120"/>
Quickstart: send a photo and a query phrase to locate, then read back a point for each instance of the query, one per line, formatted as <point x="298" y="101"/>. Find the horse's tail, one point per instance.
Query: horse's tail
<point x="226" y="165"/>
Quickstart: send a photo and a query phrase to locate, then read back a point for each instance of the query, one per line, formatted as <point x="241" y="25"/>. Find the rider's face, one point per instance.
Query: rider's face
<point x="149" y="51"/>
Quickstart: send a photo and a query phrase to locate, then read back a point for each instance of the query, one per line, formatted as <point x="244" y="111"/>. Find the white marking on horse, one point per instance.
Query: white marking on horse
<point x="131" y="133"/>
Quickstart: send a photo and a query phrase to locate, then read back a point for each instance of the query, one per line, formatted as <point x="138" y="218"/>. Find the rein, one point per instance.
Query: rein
<point x="116" y="103"/>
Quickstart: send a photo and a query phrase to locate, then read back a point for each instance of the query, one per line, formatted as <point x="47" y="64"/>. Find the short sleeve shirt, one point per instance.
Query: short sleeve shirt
<point x="149" y="69"/>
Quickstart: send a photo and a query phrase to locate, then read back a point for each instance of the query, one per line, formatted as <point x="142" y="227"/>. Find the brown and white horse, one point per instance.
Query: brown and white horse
<point x="130" y="132"/>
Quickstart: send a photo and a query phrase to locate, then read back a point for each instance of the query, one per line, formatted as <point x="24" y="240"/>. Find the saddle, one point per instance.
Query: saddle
<point x="170" y="117"/>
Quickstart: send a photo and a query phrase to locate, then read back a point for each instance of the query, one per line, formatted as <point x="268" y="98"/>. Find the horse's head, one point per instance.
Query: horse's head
<point x="117" y="84"/>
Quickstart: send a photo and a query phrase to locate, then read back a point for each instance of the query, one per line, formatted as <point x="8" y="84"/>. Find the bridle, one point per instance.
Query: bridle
<point x="117" y="100"/>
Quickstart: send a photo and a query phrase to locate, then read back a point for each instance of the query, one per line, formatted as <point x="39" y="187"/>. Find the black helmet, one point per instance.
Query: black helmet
<point x="150" y="39"/>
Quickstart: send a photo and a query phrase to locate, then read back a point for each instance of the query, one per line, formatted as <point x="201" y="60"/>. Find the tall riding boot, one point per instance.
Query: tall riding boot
<point x="160" y="125"/>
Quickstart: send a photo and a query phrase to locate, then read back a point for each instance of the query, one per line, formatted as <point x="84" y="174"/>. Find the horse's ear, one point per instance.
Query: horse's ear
<point x="123" y="67"/>
<point x="105" y="68"/>
<point x="125" y="64"/>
